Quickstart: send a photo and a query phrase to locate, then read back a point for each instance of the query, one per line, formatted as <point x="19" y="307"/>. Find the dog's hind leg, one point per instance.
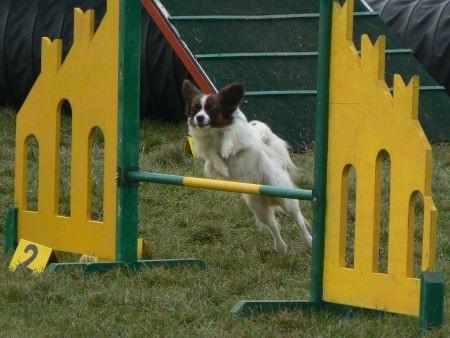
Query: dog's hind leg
<point x="262" y="227"/>
<point x="266" y="215"/>
<point x="292" y="208"/>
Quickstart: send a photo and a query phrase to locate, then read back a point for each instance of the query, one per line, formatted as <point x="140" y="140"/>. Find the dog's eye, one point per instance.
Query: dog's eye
<point x="196" y="107"/>
<point x="211" y="109"/>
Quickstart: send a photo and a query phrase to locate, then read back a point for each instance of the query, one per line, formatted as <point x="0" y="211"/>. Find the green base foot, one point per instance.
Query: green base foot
<point x="105" y="266"/>
<point x="431" y="300"/>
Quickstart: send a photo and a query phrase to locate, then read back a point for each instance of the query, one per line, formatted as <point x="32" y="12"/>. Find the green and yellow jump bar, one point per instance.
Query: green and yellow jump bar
<point x="204" y="183"/>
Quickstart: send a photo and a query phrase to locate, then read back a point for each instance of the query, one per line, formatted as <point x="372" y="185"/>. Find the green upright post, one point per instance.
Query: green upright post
<point x="321" y="148"/>
<point x="128" y="138"/>
<point x="11" y="231"/>
<point x="128" y="145"/>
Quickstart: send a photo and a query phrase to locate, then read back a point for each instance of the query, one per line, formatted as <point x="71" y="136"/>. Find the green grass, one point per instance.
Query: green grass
<point x="179" y="222"/>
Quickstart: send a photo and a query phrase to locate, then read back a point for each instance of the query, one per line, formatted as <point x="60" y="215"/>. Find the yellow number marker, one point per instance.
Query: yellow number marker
<point x="31" y="257"/>
<point x="189" y="148"/>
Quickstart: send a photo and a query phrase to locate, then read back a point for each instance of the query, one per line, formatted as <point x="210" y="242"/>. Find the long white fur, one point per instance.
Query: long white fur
<point x="277" y="148"/>
<point x="238" y="152"/>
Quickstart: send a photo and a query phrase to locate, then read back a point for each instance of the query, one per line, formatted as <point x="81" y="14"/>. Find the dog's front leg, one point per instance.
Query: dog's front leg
<point x="210" y="171"/>
<point x="215" y="167"/>
<point x="228" y="148"/>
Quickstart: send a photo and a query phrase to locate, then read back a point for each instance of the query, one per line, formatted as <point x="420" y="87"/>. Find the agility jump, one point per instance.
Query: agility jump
<point x="352" y="97"/>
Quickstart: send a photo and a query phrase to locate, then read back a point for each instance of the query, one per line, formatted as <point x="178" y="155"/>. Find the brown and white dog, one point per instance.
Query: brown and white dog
<point x="236" y="150"/>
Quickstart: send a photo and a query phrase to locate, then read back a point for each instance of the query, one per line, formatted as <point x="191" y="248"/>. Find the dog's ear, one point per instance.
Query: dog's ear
<point x="230" y="97"/>
<point x="189" y="91"/>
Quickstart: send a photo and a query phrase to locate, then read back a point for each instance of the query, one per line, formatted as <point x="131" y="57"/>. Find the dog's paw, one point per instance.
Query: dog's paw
<point x="308" y="240"/>
<point x="209" y="169"/>
<point x="281" y="247"/>
<point x="223" y="171"/>
<point x="216" y="171"/>
<point x="261" y="226"/>
<point x="227" y="150"/>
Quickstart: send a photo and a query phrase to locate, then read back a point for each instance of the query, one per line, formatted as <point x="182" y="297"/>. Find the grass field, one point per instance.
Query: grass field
<point x="179" y="222"/>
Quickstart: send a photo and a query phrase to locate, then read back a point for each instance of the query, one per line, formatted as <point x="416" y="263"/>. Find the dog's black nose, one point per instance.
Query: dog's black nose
<point x="200" y="119"/>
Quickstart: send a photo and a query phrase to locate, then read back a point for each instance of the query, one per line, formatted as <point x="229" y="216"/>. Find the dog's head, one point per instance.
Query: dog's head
<point x="213" y="110"/>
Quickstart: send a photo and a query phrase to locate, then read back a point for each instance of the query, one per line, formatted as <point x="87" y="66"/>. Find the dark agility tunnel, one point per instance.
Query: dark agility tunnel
<point x="423" y="26"/>
<point x="24" y="22"/>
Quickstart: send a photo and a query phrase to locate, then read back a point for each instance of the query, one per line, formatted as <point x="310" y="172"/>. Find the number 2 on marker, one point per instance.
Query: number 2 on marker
<point x="30" y="257"/>
<point x="34" y="252"/>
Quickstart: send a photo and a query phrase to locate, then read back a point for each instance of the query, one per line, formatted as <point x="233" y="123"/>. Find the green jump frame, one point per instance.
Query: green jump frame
<point x="432" y="284"/>
<point x="128" y="154"/>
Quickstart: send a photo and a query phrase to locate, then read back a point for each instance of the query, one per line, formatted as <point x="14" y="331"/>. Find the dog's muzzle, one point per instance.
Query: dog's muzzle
<point x="199" y="121"/>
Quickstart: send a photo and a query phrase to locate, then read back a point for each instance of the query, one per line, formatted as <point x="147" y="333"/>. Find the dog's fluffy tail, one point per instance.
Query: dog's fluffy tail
<point x="276" y="148"/>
